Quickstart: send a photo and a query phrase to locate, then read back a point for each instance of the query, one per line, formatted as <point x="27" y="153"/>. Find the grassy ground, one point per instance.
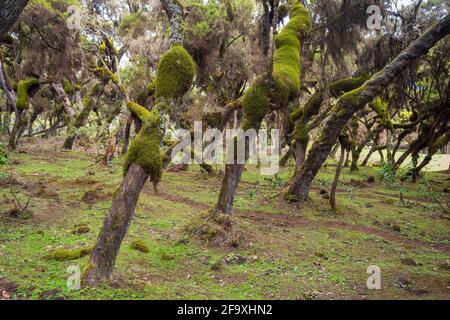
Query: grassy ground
<point x="285" y="251"/>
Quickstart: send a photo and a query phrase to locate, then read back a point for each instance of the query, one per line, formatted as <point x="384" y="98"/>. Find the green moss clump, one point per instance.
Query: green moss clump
<point x="175" y="73"/>
<point x="286" y="71"/>
<point x="301" y="133"/>
<point x="339" y="87"/>
<point x="140" y="245"/>
<point x="381" y="108"/>
<point x="67" y="254"/>
<point x="286" y="60"/>
<point x="68" y="87"/>
<point x="139" y="111"/>
<point x="102" y="47"/>
<point x="352" y="97"/>
<point x="303" y="115"/>
<point x="23" y="89"/>
<point x="145" y="151"/>
<point x="256" y="102"/>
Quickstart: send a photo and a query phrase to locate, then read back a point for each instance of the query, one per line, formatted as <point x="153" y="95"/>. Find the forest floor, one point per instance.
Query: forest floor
<point x="284" y="252"/>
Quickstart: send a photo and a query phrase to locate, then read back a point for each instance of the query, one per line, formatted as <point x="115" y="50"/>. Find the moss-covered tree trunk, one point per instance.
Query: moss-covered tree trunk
<point x="174" y="77"/>
<point x="279" y="87"/>
<point x="115" y="226"/>
<point x="355" y="100"/>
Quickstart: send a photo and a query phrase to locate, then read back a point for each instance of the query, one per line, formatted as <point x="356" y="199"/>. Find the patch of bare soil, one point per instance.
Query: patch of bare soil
<point x="7" y="289"/>
<point x="94" y="196"/>
<point x="184" y="200"/>
<point x="42" y="191"/>
<point x="284" y="220"/>
<point x="422" y="285"/>
<point x="82" y="182"/>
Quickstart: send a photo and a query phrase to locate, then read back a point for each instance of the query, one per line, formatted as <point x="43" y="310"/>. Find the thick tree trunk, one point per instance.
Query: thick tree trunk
<point x="10" y="11"/>
<point x="336" y="180"/>
<point x="115" y="226"/>
<point x="355" y="100"/>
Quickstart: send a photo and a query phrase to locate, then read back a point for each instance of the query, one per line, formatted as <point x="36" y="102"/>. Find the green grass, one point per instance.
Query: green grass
<point x="291" y="252"/>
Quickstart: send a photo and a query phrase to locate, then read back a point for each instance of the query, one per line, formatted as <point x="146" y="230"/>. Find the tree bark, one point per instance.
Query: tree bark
<point x="230" y="183"/>
<point x="355" y="100"/>
<point x="336" y="179"/>
<point x="174" y="12"/>
<point x="10" y="11"/>
<point x="300" y="155"/>
<point x="115" y="226"/>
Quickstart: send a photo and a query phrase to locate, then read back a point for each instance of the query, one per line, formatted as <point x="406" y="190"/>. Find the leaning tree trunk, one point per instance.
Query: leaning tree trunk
<point x="115" y="226"/>
<point x="10" y="11"/>
<point x="432" y="150"/>
<point x="355" y="100"/>
<point x="143" y="161"/>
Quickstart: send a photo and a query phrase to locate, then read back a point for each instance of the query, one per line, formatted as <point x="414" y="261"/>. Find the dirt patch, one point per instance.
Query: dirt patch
<point x="184" y="200"/>
<point x="283" y="220"/>
<point x="41" y="191"/>
<point x="94" y="196"/>
<point x="7" y="289"/>
<point x="82" y="182"/>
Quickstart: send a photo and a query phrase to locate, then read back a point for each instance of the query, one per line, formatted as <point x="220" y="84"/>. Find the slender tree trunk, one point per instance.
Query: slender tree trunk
<point x="126" y="136"/>
<point x="115" y="226"/>
<point x="13" y="137"/>
<point x="285" y="158"/>
<point x="336" y="180"/>
<point x="355" y="100"/>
